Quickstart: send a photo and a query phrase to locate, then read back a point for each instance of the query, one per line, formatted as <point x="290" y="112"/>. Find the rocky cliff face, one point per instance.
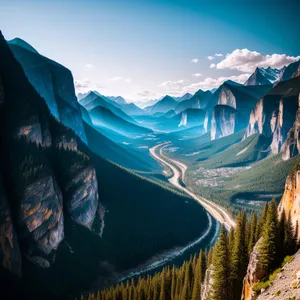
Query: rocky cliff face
<point x="287" y="283"/>
<point x="223" y="121"/>
<point x="291" y="146"/>
<point x="291" y="71"/>
<point x="274" y="114"/>
<point x="240" y="98"/>
<point x="48" y="178"/>
<point x="255" y="273"/>
<point x="290" y="201"/>
<point x="55" y="84"/>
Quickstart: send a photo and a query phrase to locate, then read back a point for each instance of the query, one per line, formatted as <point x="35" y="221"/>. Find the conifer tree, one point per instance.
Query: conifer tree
<point x="203" y="267"/>
<point x="239" y="257"/>
<point x="162" y="286"/>
<point x="267" y="248"/>
<point x="262" y="221"/>
<point x="221" y="268"/>
<point x="289" y="236"/>
<point x="252" y="233"/>
<point x="196" y="292"/>
<point x="297" y="234"/>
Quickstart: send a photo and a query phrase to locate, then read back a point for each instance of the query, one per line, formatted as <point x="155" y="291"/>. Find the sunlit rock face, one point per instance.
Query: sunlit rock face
<point x="291" y="146"/>
<point x="223" y="121"/>
<point x="274" y="114"/>
<point x="290" y="201"/>
<point x="226" y="97"/>
<point x="55" y="84"/>
<point x="255" y="273"/>
<point x="41" y="221"/>
<point x="80" y="193"/>
<point x="10" y="255"/>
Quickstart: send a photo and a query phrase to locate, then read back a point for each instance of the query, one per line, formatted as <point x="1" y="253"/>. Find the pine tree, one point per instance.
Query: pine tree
<point x="280" y="251"/>
<point x="252" y="233"/>
<point x="196" y="292"/>
<point x="221" y="268"/>
<point x="203" y="267"/>
<point x="262" y="221"/>
<point x="289" y="236"/>
<point x="267" y="248"/>
<point x="239" y="257"/>
<point x="162" y="286"/>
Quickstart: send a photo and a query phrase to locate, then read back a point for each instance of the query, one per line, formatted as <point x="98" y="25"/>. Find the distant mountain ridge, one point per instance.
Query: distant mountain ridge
<point x="263" y="76"/>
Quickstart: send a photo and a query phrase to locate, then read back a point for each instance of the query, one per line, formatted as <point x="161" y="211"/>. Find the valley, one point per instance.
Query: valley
<point x="140" y="177"/>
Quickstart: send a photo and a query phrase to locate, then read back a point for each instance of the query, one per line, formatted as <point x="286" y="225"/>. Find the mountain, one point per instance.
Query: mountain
<point x="230" y="107"/>
<point x="103" y="117"/>
<point x="144" y="104"/>
<point x="131" y="109"/>
<point x="93" y="100"/>
<point x="21" y="43"/>
<point x="198" y="100"/>
<point x="117" y="99"/>
<point x="263" y="76"/>
<point x="186" y="96"/>
<point x="67" y="215"/>
<point x="107" y="149"/>
<point x="188" y="118"/>
<point x="275" y="114"/>
<point x="53" y="82"/>
<point x="289" y="72"/>
<point x="162" y="106"/>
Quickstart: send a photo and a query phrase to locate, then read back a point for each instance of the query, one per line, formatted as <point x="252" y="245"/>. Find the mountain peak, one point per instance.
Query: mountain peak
<point x="21" y="43"/>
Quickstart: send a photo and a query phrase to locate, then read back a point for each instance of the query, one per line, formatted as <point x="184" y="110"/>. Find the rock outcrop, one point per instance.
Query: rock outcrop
<point x="54" y="83"/>
<point x="207" y="284"/>
<point x="275" y="113"/>
<point x="290" y="201"/>
<point x="240" y="98"/>
<point x="255" y="273"/>
<point x="48" y="177"/>
<point x="291" y="146"/>
<point x="286" y="285"/>
<point x="223" y="121"/>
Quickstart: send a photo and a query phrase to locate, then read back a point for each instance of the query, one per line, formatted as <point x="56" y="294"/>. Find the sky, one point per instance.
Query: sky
<point x="144" y="49"/>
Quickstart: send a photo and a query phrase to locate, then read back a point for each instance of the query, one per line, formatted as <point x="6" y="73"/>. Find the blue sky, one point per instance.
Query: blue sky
<point x="145" y="49"/>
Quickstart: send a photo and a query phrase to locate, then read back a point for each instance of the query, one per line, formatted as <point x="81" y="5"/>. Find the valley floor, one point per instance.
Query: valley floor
<point x="178" y="170"/>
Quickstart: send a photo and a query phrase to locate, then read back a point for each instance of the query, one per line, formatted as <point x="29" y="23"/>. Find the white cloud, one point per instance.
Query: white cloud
<point x="219" y="54"/>
<point x="89" y="66"/>
<point x="85" y="85"/>
<point x="210" y="83"/>
<point x="197" y="75"/>
<point x="245" y="60"/>
<point x="195" y="60"/>
<point x="212" y="66"/>
<point x="210" y="57"/>
<point x="128" y="80"/>
<point x="173" y="85"/>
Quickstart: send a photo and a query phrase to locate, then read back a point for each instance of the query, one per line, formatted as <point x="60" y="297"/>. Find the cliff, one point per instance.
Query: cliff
<point x="53" y="82"/>
<point x="291" y="146"/>
<point x="255" y="273"/>
<point x="274" y="114"/>
<point x="239" y="98"/>
<point x="223" y="121"/>
<point x="41" y="190"/>
<point x="290" y="201"/>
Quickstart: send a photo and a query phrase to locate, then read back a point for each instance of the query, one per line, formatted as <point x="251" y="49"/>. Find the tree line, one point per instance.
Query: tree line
<point x="222" y="268"/>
